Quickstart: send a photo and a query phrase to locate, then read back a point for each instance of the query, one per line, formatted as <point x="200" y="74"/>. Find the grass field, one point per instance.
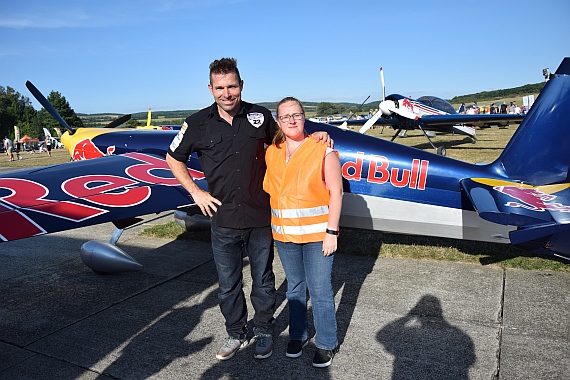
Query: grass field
<point x="59" y="156"/>
<point x="489" y="145"/>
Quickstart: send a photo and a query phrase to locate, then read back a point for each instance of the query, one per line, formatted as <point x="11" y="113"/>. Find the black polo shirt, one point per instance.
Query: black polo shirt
<point x="233" y="160"/>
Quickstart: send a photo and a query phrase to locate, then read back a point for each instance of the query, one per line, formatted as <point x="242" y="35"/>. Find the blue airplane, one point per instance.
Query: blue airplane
<point x="522" y="198"/>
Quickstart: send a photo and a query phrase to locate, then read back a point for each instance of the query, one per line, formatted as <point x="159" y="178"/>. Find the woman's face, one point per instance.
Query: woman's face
<point x="291" y="119"/>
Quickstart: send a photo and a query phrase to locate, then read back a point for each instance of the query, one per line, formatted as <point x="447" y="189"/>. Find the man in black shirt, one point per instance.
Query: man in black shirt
<point x="230" y="138"/>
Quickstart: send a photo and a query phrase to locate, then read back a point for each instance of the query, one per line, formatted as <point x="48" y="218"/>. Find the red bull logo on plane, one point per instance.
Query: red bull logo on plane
<point x="86" y="150"/>
<point x="531" y="199"/>
<point x="380" y="172"/>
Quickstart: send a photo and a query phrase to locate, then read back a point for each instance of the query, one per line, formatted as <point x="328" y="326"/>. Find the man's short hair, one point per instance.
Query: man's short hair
<point x="224" y="66"/>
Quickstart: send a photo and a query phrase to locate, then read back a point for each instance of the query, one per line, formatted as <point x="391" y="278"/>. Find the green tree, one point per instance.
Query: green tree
<point x="45" y="120"/>
<point x="15" y="110"/>
<point x="133" y="123"/>
<point x="326" y="108"/>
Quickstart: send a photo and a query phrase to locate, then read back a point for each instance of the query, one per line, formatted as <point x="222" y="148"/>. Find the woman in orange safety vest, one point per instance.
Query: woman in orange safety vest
<point x="304" y="182"/>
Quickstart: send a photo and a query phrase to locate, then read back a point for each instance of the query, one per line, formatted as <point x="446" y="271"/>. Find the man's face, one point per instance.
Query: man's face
<point x="227" y="92"/>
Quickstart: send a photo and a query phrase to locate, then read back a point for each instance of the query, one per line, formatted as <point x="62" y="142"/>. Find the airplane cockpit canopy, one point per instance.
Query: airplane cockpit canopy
<point x="435" y="102"/>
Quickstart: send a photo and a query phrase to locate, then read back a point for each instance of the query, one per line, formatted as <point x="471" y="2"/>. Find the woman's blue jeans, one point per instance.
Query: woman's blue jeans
<point x="306" y="267"/>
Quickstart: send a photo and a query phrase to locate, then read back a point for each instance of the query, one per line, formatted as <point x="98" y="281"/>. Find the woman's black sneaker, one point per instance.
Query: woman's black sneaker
<point x="295" y="348"/>
<point x="323" y="358"/>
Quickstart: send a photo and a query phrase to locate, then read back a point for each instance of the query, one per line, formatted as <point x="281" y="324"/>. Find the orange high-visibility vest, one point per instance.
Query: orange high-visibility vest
<point x="298" y="195"/>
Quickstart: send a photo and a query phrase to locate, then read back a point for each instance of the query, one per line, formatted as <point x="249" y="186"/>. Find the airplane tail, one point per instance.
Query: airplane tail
<point x="537" y="153"/>
<point x="534" y="194"/>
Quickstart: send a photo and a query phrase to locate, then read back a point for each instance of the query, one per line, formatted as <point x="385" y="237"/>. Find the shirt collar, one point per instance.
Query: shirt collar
<point x="215" y="113"/>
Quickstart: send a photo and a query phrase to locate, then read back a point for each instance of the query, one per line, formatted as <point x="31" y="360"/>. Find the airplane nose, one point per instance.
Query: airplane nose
<point x="386" y="107"/>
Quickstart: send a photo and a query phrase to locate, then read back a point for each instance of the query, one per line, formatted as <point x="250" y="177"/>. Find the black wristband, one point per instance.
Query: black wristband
<point x="332" y="232"/>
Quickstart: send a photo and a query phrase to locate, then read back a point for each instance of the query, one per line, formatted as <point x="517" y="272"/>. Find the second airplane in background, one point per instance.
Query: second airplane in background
<point x="428" y="113"/>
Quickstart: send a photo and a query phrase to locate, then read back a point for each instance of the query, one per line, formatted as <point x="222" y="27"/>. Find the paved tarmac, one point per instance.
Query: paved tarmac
<point x="397" y="319"/>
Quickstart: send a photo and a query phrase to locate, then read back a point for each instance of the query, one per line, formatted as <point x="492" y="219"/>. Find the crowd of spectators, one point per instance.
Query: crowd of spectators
<point x="493" y="108"/>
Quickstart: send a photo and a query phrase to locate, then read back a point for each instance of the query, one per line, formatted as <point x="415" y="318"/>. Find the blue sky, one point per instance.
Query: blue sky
<point x="126" y="56"/>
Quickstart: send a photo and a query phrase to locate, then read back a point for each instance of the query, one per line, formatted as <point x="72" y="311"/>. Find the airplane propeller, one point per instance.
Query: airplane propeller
<point x="53" y="112"/>
<point x="383" y="86"/>
<point x="345" y="124"/>
<point x="47" y="105"/>
<point x="387" y="108"/>
<point x="119" y="121"/>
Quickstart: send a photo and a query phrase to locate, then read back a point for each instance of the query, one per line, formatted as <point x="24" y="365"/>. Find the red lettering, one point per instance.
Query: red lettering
<point x="353" y="166"/>
<point x="423" y="175"/>
<point x="25" y="194"/>
<point x="382" y="170"/>
<point x="106" y="190"/>
<point x="402" y="182"/>
<point x="31" y="195"/>
<point x="143" y="172"/>
<point x="414" y="175"/>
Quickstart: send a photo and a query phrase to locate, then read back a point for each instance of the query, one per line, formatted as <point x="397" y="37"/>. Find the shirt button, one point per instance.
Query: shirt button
<point x="238" y="170"/>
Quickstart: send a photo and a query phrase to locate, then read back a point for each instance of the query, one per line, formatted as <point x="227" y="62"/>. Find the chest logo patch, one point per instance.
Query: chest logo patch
<point x="256" y="119"/>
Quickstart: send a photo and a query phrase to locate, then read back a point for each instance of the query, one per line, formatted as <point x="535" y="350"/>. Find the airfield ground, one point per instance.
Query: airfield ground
<point x="397" y="317"/>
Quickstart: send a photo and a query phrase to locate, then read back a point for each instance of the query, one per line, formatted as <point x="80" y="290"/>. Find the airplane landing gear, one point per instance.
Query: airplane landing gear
<point x="441" y="150"/>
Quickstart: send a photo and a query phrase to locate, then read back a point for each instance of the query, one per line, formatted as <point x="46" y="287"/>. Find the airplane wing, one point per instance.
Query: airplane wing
<point x="541" y="213"/>
<point x="360" y="122"/>
<point x="457" y="123"/>
<point x="82" y="193"/>
<point x="480" y="120"/>
<point x="440" y="122"/>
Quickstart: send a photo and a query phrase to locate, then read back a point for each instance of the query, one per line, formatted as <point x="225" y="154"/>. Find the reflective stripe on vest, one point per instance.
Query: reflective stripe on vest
<point x="300" y="212"/>
<point x="295" y="213"/>
<point x="299" y="230"/>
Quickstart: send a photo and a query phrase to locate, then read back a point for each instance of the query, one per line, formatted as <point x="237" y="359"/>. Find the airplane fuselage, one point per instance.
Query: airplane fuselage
<point x="388" y="187"/>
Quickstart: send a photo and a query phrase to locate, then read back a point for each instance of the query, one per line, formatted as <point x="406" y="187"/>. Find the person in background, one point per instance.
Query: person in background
<point x="48" y="145"/>
<point x="8" y="147"/>
<point x="17" y="146"/>
<point x="504" y="108"/>
<point x="304" y="182"/>
<point x="461" y="108"/>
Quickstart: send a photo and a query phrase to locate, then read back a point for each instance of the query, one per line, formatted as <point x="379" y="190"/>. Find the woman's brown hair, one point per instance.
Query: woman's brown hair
<point x="279" y="135"/>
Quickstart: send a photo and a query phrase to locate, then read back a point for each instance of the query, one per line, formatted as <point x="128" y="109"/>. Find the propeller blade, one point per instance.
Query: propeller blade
<point x="370" y="122"/>
<point x="383" y="86"/>
<point x="115" y="123"/>
<point x="47" y="105"/>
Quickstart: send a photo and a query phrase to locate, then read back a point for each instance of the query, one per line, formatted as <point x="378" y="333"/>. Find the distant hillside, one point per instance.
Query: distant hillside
<point x="500" y="94"/>
<point x="178" y="115"/>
